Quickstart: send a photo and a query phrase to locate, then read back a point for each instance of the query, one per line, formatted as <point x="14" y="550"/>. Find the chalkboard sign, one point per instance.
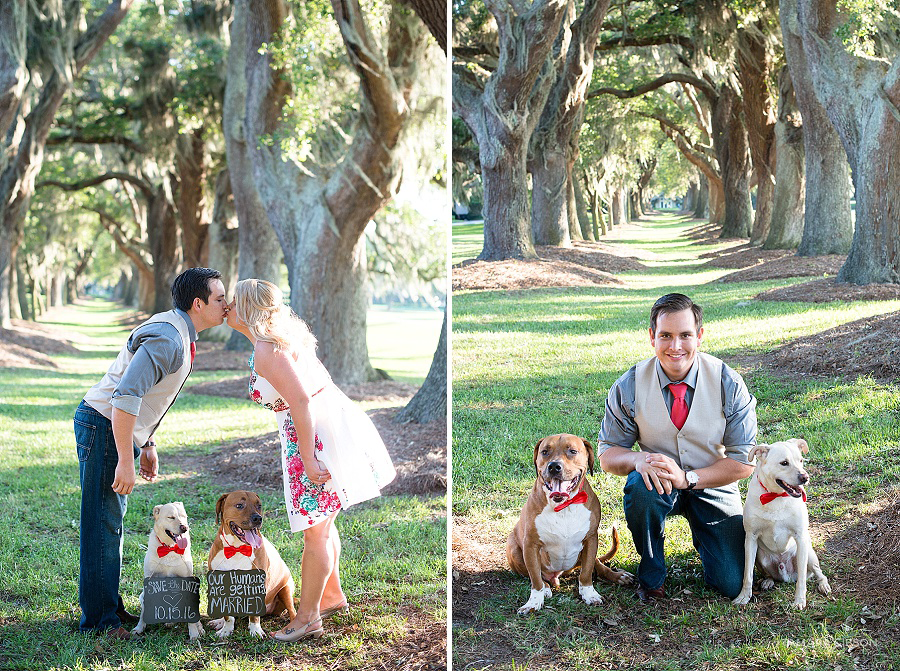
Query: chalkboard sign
<point x="236" y="592"/>
<point x="171" y="599"/>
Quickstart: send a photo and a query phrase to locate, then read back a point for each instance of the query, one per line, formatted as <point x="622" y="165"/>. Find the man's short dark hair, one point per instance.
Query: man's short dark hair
<point x="193" y="283"/>
<point x="675" y="303"/>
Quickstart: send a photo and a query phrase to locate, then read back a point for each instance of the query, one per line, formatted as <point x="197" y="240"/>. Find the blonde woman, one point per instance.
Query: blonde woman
<point x="331" y="454"/>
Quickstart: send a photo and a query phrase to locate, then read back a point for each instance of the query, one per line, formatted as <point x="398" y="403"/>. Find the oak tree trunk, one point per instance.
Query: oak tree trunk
<point x="861" y="97"/>
<point x="502" y="114"/>
<point x="828" y="222"/>
<point x="259" y="253"/>
<point x="790" y="184"/>
<point x="733" y="152"/>
<point x="430" y="402"/>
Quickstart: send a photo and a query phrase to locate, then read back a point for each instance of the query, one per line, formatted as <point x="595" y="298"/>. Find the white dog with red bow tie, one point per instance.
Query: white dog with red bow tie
<point x="169" y="554"/>
<point x="776" y="522"/>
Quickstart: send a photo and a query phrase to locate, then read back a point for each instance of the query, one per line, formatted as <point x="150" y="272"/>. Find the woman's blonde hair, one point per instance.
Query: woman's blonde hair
<point x="260" y="305"/>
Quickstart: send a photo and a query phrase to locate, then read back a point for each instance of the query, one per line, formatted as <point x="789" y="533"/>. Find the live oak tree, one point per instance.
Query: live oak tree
<point x="320" y="211"/>
<point x="828" y="223"/>
<point x="500" y="97"/>
<point x="861" y="95"/>
<point x="34" y="109"/>
<point x="554" y="144"/>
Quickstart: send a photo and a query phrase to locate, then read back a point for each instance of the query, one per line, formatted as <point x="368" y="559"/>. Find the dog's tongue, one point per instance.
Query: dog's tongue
<point x="558" y="490"/>
<point x="253" y="538"/>
<point x="181" y="542"/>
<point x="559" y="487"/>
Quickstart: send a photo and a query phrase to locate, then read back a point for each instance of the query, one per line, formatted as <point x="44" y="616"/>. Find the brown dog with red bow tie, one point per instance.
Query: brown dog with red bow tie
<point x="557" y="529"/>
<point x="239" y="545"/>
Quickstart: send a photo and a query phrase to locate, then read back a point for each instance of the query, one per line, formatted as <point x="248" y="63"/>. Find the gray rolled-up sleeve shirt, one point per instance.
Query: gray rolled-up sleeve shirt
<point x="158" y="351"/>
<point x="619" y="428"/>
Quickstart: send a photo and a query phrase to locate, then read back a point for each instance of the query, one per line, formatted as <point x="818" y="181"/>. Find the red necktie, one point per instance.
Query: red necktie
<point x="580" y="497"/>
<point x="245" y="550"/>
<point x="193" y="351"/>
<point x="163" y="550"/>
<point x="679" y="405"/>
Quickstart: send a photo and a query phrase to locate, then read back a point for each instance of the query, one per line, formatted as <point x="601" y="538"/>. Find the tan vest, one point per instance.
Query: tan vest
<point x="699" y="442"/>
<point x="159" y="397"/>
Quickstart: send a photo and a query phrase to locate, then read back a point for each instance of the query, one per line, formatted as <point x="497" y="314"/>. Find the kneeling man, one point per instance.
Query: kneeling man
<point x="695" y="423"/>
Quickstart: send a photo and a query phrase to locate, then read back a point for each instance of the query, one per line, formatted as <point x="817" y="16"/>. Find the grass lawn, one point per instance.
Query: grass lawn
<point x="531" y="363"/>
<point x="394" y="548"/>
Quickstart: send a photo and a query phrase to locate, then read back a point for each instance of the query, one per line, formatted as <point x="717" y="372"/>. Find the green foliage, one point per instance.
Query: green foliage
<point x="869" y="24"/>
<point x="310" y="54"/>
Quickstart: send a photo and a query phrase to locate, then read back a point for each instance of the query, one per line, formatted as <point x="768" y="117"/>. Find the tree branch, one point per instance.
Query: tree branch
<point x="94" y="181"/>
<point x="80" y="138"/>
<point x="655" y="84"/>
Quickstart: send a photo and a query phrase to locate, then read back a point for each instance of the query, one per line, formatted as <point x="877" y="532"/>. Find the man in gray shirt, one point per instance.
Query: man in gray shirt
<point x="695" y="422"/>
<point x="116" y="422"/>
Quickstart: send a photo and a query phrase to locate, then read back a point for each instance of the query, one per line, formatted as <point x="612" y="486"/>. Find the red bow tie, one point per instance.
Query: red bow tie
<point x="163" y="550"/>
<point x="580" y="497"/>
<point x="768" y="497"/>
<point x="245" y="550"/>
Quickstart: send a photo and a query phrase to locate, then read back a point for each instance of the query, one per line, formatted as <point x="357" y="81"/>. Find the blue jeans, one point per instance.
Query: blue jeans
<point x="102" y="519"/>
<point x="716" y="520"/>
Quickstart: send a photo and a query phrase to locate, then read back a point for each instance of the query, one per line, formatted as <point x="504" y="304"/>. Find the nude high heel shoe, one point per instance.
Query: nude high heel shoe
<point x="341" y="608"/>
<point x="294" y="634"/>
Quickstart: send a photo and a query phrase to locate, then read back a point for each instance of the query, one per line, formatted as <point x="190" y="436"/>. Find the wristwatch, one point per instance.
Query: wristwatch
<point x="692" y="478"/>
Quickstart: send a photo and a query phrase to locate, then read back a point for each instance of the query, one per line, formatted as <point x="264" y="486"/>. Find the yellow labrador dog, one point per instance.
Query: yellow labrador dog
<point x="557" y="528"/>
<point x="776" y="522"/>
<point x="169" y="554"/>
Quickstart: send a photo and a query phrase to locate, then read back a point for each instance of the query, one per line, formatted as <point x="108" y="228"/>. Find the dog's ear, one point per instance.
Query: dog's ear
<point x="156" y="510"/>
<point x="759" y="452"/>
<point x="220" y="507"/>
<point x="536" y="448"/>
<point x="590" y="451"/>
<point x="801" y="444"/>
<point x="180" y="506"/>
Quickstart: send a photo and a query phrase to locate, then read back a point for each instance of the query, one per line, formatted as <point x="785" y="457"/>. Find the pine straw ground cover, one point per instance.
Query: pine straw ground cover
<point x="214" y="440"/>
<point x="821" y="359"/>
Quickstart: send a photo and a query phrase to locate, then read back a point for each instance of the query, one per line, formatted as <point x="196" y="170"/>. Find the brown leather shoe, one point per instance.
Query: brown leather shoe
<point x="119" y="634"/>
<point x="648" y="595"/>
<point x="125" y="617"/>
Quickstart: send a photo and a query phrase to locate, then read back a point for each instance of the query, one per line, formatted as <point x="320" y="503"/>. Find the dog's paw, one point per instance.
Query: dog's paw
<point x="535" y="601"/>
<point x="824" y="587"/>
<point x="624" y="578"/>
<point x="743" y="598"/>
<point x="139" y="629"/>
<point x="195" y="630"/>
<point x="590" y="595"/>
<point x="767" y="584"/>
<point x="216" y="624"/>
<point x="799" y="604"/>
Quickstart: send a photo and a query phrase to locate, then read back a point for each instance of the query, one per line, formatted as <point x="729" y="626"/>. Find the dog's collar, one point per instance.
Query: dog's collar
<point x="162" y="549"/>
<point x="580" y="497"/>
<point x="768" y="497"/>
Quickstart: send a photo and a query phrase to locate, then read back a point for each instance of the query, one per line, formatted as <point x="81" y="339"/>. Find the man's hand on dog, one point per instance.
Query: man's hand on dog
<point x="149" y="463"/>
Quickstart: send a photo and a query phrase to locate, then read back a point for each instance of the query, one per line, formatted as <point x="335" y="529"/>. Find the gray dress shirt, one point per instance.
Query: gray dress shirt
<point x="158" y="351"/>
<point x="620" y="430"/>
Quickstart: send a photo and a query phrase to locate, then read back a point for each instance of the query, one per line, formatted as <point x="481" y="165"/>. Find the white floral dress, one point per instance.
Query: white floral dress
<point x="346" y="442"/>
